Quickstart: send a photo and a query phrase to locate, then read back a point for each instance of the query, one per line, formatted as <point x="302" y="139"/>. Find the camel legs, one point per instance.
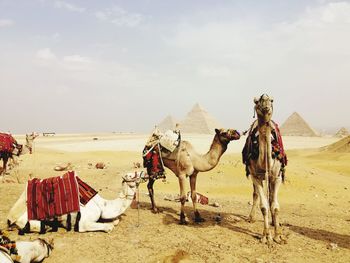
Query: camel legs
<point x="275" y="208"/>
<point x="4" y="159"/>
<point x="95" y="226"/>
<point x="255" y="205"/>
<point x="264" y="206"/>
<point x="151" y="195"/>
<point x="182" y="178"/>
<point x="197" y="216"/>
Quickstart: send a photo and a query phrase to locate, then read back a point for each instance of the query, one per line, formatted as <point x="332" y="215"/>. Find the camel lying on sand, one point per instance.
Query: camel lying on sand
<point x="89" y="216"/>
<point x="25" y="251"/>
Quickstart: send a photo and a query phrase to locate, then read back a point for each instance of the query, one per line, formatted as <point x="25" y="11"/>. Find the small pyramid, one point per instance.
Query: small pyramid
<point x="295" y="125"/>
<point x="343" y="132"/>
<point x="343" y="145"/>
<point x="168" y="123"/>
<point x="199" y="121"/>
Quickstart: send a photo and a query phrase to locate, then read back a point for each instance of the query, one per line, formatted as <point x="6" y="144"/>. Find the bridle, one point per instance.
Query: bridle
<point x="135" y="180"/>
<point x="48" y="245"/>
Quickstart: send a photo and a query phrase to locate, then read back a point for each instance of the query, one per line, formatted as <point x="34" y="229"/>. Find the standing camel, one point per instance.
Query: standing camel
<point x="10" y="148"/>
<point x="185" y="161"/>
<point x="265" y="164"/>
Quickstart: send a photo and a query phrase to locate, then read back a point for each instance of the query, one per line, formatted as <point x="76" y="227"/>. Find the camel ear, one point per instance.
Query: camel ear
<point x="256" y="100"/>
<point x="217" y="131"/>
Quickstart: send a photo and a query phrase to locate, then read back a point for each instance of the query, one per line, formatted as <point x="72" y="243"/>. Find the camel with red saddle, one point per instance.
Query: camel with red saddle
<point x="185" y="162"/>
<point x="89" y="216"/>
<point x="10" y="148"/>
<point x="265" y="159"/>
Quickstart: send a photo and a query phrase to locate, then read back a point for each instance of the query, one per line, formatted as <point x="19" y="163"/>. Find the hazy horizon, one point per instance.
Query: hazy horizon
<point x="104" y="66"/>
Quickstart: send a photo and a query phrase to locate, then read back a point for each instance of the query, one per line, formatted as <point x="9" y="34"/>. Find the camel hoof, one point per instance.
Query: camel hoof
<point x="267" y="240"/>
<point x="155" y="210"/>
<point x="109" y="227"/>
<point x="280" y="239"/>
<point x="199" y="219"/>
<point x="116" y="222"/>
<point x="183" y="222"/>
<point x="251" y="220"/>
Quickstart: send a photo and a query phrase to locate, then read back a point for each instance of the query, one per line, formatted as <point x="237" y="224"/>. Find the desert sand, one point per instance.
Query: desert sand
<point x="315" y="204"/>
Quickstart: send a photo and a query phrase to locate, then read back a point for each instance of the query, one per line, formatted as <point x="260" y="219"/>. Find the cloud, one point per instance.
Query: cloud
<point x="69" y="7"/>
<point x="45" y="54"/>
<point x="6" y="23"/>
<point x="119" y="17"/>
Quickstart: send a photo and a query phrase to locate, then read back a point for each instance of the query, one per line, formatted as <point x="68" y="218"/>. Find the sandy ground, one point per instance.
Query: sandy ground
<point x="315" y="205"/>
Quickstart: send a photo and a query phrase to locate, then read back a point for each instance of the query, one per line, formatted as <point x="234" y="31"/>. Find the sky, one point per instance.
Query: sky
<point x="102" y="66"/>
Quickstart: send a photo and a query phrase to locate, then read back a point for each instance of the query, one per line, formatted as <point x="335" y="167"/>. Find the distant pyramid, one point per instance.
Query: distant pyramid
<point x="343" y="132"/>
<point x="200" y="121"/>
<point x="168" y="123"/>
<point x="295" y="125"/>
<point x="343" y="145"/>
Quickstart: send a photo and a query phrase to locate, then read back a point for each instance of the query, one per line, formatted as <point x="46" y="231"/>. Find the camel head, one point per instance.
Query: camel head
<point x="264" y="107"/>
<point x="18" y="149"/>
<point x="131" y="182"/>
<point x="227" y="135"/>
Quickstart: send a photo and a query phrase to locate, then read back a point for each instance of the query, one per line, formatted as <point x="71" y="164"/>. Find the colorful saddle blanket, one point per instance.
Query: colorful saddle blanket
<point x="7" y="142"/>
<point x="152" y="162"/>
<point x="56" y="196"/>
<point x="251" y="147"/>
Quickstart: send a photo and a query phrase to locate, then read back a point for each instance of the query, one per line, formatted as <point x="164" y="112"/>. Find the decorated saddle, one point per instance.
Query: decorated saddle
<point x="7" y="143"/>
<point x="251" y="147"/>
<point x="56" y="196"/>
<point x="159" y="142"/>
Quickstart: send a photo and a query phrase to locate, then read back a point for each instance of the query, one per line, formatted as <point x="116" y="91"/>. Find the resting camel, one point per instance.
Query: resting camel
<point x="15" y="149"/>
<point x="90" y="216"/>
<point x="27" y="251"/>
<point x="266" y="168"/>
<point x="184" y="161"/>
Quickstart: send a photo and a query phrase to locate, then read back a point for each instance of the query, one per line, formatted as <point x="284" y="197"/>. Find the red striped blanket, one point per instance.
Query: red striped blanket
<point x="56" y="196"/>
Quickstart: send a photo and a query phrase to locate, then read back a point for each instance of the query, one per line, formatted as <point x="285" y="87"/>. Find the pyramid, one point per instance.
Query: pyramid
<point x="343" y="145"/>
<point x="295" y="125"/>
<point x="343" y="132"/>
<point x="168" y="123"/>
<point x="199" y="121"/>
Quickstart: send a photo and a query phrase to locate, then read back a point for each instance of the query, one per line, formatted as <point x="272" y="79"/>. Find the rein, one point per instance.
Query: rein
<point x="47" y="244"/>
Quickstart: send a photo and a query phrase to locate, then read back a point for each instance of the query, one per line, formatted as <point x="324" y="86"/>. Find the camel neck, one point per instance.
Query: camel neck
<point x="212" y="157"/>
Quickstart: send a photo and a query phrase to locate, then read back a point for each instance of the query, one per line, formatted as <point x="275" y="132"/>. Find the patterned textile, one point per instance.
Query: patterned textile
<point x="86" y="192"/>
<point x="56" y="196"/>
<point x="153" y="163"/>
<point x="7" y="143"/>
<point x="251" y="147"/>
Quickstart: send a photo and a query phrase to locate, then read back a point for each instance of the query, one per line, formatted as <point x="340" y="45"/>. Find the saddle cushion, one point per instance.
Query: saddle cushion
<point x="56" y="196"/>
<point x="7" y="142"/>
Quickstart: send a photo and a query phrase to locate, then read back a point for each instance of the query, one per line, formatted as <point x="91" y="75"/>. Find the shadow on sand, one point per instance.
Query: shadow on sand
<point x="171" y="216"/>
<point x="322" y="235"/>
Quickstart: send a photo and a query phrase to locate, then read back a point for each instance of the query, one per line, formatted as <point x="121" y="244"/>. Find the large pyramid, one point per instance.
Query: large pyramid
<point x="168" y="123"/>
<point x="199" y="121"/>
<point x="343" y="145"/>
<point x="343" y="132"/>
<point x="295" y="125"/>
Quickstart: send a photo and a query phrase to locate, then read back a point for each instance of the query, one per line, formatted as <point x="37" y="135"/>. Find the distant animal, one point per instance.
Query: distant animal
<point x="185" y="162"/>
<point x="100" y="165"/>
<point x="90" y="216"/>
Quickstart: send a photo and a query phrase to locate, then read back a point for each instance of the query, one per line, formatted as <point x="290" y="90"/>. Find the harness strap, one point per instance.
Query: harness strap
<point x="76" y="225"/>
